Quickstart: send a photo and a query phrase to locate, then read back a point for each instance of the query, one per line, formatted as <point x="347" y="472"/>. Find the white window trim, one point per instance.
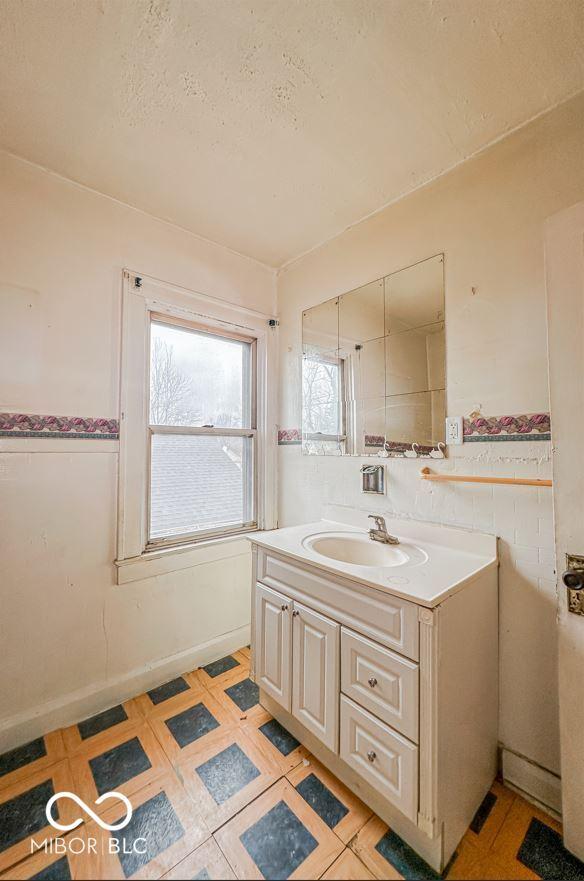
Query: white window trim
<point x="133" y="561"/>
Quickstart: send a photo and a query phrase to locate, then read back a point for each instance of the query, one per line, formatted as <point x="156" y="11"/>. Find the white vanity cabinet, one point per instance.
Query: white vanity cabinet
<point x="397" y="698"/>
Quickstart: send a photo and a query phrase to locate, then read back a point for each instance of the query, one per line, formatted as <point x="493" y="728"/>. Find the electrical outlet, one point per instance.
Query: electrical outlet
<point x="454" y="430"/>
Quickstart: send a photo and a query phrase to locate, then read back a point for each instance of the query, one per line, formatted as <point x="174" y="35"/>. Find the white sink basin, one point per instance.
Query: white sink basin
<point x="357" y="549"/>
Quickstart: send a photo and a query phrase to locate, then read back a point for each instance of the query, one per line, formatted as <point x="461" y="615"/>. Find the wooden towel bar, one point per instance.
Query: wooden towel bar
<point x="426" y="474"/>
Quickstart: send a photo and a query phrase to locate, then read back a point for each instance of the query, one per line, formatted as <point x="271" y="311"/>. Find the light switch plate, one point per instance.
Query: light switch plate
<point x="454" y="430"/>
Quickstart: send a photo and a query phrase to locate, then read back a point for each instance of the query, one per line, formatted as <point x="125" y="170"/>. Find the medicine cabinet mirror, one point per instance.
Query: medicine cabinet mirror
<point x="374" y="367"/>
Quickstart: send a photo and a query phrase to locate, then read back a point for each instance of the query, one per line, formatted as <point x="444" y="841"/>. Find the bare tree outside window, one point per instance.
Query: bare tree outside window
<point x="320" y="399"/>
<point x="171" y="389"/>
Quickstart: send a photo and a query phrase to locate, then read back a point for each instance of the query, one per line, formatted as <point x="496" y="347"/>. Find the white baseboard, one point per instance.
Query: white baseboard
<point x="81" y="704"/>
<point x="537" y="784"/>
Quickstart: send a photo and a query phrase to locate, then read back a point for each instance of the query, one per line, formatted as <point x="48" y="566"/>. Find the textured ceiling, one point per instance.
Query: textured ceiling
<point x="271" y="126"/>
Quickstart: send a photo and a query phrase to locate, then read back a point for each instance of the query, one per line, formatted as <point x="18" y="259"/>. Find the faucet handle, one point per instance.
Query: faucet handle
<point x="379" y="521"/>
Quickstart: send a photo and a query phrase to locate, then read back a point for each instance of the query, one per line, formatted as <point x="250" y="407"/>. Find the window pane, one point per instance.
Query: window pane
<point x="321" y="396"/>
<point x="198" y="379"/>
<point x="199" y="483"/>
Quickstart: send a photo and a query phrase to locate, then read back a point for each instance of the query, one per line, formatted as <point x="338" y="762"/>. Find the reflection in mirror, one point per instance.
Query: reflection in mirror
<point x="362" y="354"/>
<point x="322" y="411"/>
<point x="419" y="415"/>
<point x="414" y="360"/>
<point x="361" y="316"/>
<point x="374" y="366"/>
<point x="415" y="296"/>
<point x="320" y="328"/>
<point x="415" y="356"/>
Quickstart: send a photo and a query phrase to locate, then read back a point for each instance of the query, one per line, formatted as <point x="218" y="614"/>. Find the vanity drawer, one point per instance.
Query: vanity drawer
<point x="383" y="758"/>
<point x="381" y="681"/>
<point x="386" y="619"/>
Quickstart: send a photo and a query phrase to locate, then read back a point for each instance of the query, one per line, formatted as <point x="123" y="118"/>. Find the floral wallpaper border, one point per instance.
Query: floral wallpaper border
<point x="287" y="436"/>
<point x="377" y="441"/>
<point x="524" y="427"/>
<point x="76" y="427"/>
<point x="477" y="429"/>
<point x="527" y="426"/>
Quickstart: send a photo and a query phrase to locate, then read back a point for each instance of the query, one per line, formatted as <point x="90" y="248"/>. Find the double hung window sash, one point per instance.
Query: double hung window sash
<point x="202" y="433"/>
<point x="323" y="417"/>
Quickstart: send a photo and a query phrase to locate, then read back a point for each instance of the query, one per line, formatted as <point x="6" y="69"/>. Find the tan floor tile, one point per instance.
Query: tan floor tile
<point x="358" y="813"/>
<point x="67" y="858"/>
<point x="164" y="720"/>
<point x="229" y="837"/>
<point x="364" y="846"/>
<point x="55" y="751"/>
<point x="489" y="868"/>
<point x="253" y="729"/>
<point x="148" y="706"/>
<point x="165" y="823"/>
<point x="206" y="858"/>
<point x="484" y="839"/>
<point x="219" y="763"/>
<point x="511" y="835"/>
<point x="75" y="742"/>
<point x="223" y="679"/>
<point x="464" y="862"/>
<point x="348" y="867"/>
<point x="221" y="693"/>
<point x="44" y="783"/>
<point x="110" y="759"/>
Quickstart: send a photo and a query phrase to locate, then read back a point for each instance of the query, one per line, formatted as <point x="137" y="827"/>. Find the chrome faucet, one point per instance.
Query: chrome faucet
<point x="380" y="533"/>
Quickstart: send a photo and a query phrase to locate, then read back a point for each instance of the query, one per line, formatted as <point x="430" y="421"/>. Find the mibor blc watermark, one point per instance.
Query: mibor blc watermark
<point x="88" y="843"/>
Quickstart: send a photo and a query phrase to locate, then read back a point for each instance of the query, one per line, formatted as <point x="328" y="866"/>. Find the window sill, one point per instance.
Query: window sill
<point x="164" y="560"/>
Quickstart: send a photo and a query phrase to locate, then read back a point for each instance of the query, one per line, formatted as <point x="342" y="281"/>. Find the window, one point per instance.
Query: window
<point x="323" y="413"/>
<point x="197" y="430"/>
<point x="202" y="433"/>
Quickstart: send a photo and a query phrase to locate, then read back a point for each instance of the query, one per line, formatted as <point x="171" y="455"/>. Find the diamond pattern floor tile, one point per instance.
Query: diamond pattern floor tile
<point x="226" y="776"/>
<point x="249" y="800"/>
<point x="26" y="760"/>
<point x="278" y="836"/>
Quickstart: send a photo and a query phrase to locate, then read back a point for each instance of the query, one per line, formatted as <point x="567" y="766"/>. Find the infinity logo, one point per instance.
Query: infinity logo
<point x="88" y="810"/>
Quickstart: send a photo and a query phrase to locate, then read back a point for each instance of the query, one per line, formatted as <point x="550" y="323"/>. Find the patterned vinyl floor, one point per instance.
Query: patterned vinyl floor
<point x="220" y="790"/>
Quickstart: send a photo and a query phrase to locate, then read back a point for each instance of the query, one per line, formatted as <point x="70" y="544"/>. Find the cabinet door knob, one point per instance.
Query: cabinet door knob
<point x="371" y="755"/>
<point x="372" y="681"/>
<point x="285" y="607"/>
<point x="295" y="613"/>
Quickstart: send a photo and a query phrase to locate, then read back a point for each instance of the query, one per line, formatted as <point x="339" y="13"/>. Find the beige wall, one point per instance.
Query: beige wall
<point x="71" y="639"/>
<point x="487" y="218"/>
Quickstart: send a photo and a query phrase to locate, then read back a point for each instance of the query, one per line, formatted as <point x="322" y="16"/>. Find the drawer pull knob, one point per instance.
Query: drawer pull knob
<point x="371" y="755"/>
<point x="372" y="681"/>
<point x="284" y="607"/>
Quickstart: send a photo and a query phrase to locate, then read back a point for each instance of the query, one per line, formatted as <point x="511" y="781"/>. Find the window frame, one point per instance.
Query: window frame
<point x="200" y="431"/>
<point x="143" y="300"/>
<point x="340" y="438"/>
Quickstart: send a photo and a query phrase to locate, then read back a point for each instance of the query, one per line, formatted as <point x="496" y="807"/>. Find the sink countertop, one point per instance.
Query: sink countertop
<point x="455" y="557"/>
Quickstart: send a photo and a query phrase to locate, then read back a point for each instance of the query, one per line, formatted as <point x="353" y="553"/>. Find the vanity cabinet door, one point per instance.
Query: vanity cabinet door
<point x="315" y="686"/>
<point x="273" y="647"/>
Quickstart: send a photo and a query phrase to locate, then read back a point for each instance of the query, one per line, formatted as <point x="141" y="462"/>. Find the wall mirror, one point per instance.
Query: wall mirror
<point x="374" y="366"/>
